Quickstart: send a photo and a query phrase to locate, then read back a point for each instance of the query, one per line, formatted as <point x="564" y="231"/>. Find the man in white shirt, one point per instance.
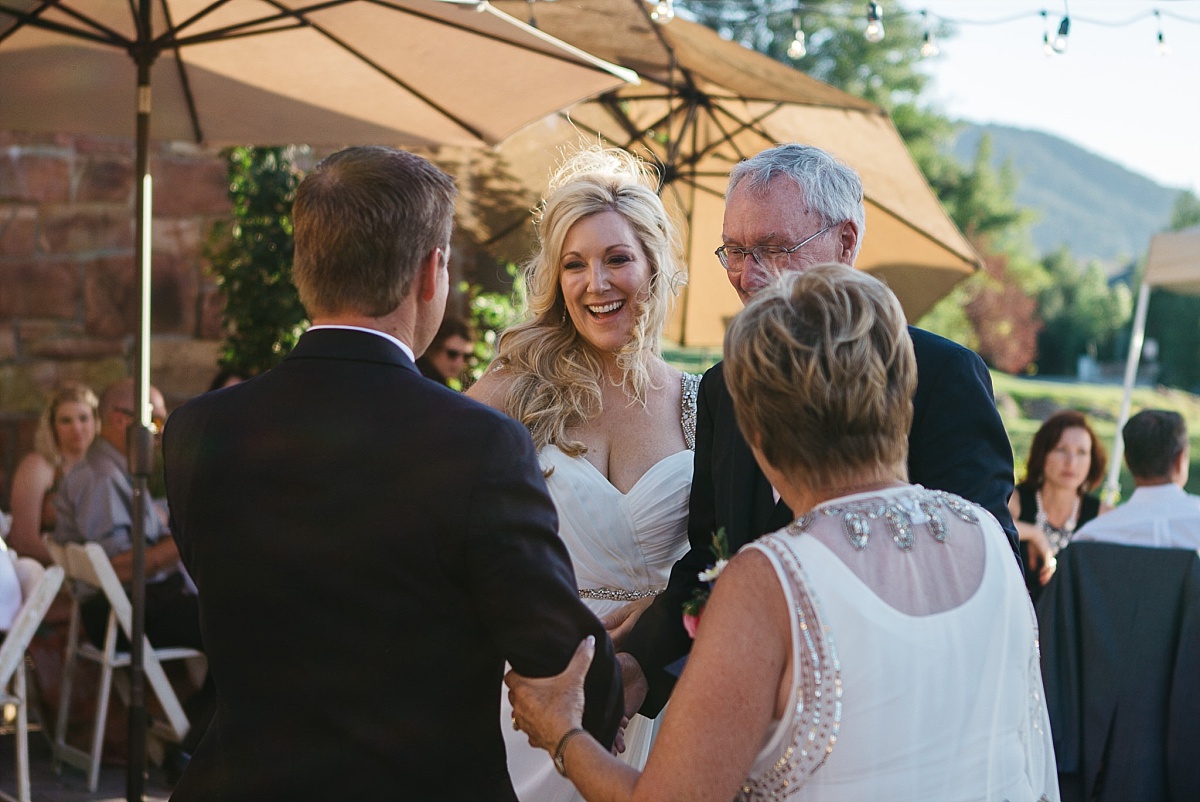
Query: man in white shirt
<point x="1159" y="513"/>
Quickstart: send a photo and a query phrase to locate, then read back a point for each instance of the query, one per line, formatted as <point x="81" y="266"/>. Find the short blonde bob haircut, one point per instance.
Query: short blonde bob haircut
<point x="555" y="375"/>
<point x="45" y="438"/>
<point x="822" y="373"/>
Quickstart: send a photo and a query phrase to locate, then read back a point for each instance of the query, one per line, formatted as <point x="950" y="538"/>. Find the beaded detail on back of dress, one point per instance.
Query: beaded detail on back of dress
<point x="840" y="689"/>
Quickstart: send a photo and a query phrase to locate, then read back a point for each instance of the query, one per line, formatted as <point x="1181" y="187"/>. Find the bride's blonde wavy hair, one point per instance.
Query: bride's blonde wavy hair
<point x="554" y="374"/>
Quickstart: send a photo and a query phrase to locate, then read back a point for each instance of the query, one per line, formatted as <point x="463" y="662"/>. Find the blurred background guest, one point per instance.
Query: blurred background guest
<point x="449" y="354"/>
<point x="847" y="655"/>
<point x="1066" y="463"/>
<point x="1160" y="513"/>
<point x="66" y="428"/>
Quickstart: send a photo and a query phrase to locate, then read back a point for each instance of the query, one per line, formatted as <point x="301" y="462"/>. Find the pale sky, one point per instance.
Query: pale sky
<point x="1111" y="92"/>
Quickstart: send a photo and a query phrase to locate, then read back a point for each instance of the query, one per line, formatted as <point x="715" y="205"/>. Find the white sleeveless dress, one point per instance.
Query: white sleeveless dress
<point x="891" y="707"/>
<point x="622" y="546"/>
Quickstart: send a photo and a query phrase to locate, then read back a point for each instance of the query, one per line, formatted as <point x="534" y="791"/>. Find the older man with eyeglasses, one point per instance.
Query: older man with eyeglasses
<point x="95" y="504"/>
<point x="786" y="209"/>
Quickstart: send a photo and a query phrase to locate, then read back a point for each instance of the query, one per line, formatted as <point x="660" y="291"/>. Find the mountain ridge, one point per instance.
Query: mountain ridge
<point x="1097" y="208"/>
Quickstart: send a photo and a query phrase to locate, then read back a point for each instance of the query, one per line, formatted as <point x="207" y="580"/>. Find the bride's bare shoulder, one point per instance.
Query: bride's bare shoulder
<point x="492" y="388"/>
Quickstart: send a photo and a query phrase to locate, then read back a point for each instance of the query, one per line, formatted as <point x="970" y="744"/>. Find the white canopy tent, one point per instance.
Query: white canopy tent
<point x="1173" y="263"/>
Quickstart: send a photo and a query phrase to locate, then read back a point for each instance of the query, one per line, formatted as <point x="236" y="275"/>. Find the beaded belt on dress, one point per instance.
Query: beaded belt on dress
<point x="616" y="594"/>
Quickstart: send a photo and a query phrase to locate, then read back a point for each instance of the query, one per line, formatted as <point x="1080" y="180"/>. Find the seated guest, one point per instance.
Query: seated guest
<point x="447" y="356"/>
<point x="1159" y="513"/>
<point x="65" y="430"/>
<point x="1066" y="463"/>
<point x="95" y="505"/>
<point x="848" y="655"/>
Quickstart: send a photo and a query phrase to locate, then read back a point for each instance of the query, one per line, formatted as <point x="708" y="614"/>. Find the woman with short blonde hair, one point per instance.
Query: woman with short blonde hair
<point x="881" y="646"/>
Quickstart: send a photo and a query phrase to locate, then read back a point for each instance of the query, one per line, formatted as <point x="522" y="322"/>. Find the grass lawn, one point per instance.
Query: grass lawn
<point x="1025" y="403"/>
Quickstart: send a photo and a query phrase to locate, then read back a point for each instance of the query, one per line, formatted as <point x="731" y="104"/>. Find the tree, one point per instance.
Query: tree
<point x="1083" y="314"/>
<point x="251" y="258"/>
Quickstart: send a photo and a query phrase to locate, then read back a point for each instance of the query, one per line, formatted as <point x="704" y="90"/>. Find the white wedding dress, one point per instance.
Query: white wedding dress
<point x="623" y="546"/>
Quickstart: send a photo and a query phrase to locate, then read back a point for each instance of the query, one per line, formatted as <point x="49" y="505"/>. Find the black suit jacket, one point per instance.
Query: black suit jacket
<point x="1120" y="643"/>
<point x="957" y="443"/>
<point x="370" y="548"/>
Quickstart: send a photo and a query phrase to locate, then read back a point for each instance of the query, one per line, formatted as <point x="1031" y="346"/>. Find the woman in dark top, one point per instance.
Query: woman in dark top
<point x="1066" y="462"/>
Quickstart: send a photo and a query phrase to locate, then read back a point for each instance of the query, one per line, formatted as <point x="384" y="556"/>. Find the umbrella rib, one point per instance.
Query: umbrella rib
<point x="184" y="82"/>
<point x="97" y="33"/>
<point x="250" y="27"/>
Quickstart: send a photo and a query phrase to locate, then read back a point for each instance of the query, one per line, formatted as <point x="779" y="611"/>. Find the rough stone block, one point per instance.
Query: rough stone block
<point x="39" y="288"/>
<point x="78" y="348"/>
<point x="8" y="344"/>
<point x="108" y="179"/>
<point x="101" y="228"/>
<point x="182" y="368"/>
<point x="110" y="297"/>
<point x="190" y="186"/>
<point x="37" y="175"/>
<point x="173" y="295"/>
<point x="18" y="230"/>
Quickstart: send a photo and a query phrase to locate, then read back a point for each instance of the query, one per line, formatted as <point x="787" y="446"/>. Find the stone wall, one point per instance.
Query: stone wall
<point x="68" y="291"/>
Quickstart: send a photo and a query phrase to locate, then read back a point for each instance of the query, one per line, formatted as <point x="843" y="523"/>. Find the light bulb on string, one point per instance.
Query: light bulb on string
<point x="664" y="11"/>
<point x="929" y="47"/>
<point x="797" y="49"/>
<point x="1060" y="41"/>
<point x="1046" y="48"/>
<point x="1164" y="49"/>
<point x="874" y="32"/>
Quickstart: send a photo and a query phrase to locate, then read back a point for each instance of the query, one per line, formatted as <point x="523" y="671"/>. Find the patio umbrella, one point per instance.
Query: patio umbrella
<point x="411" y="72"/>
<point x="1173" y="263"/>
<point x="703" y="105"/>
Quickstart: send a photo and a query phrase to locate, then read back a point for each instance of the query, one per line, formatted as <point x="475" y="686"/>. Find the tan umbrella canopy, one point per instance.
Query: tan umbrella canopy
<point x="1173" y="263"/>
<point x="416" y="72"/>
<point x="704" y="104"/>
<point x="411" y="72"/>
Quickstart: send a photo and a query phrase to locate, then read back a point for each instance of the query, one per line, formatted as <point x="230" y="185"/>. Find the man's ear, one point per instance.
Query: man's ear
<point x="427" y="275"/>
<point x="847" y="242"/>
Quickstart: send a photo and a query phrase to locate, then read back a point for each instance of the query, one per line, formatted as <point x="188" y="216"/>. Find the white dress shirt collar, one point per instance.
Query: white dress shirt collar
<point x="403" y="346"/>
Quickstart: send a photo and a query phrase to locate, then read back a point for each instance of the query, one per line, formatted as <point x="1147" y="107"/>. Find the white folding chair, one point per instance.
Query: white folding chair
<point x="89" y="565"/>
<point x="39" y="585"/>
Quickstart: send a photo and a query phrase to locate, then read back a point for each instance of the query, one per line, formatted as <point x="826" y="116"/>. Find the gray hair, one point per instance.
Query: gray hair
<point x="832" y="188"/>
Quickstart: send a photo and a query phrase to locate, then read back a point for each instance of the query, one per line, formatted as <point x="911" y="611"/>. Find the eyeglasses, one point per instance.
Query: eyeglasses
<point x="156" y="422"/>
<point x="772" y="257"/>
<point x="456" y="354"/>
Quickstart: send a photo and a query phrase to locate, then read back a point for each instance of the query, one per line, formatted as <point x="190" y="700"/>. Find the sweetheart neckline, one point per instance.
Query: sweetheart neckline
<point x="608" y="482"/>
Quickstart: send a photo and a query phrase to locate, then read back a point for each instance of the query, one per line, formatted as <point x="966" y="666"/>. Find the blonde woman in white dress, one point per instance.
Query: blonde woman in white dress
<point x="881" y="647"/>
<point x="612" y="421"/>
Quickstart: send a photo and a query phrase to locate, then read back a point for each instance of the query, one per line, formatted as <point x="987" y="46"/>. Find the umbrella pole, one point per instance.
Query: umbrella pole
<point x="141" y="445"/>
<point x="1112" y="487"/>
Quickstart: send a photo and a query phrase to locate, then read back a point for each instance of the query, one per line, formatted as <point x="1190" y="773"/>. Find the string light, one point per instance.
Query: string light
<point x="874" y="32"/>
<point x="1060" y="41"/>
<point x="1046" y="48"/>
<point x="929" y="48"/>
<point x="1164" y="49"/>
<point x="664" y="11"/>
<point x="797" y="49"/>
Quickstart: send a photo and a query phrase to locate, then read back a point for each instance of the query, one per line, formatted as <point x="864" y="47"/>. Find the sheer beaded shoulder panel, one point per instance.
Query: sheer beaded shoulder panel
<point x="691" y="387"/>
<point x="812" y="727"/>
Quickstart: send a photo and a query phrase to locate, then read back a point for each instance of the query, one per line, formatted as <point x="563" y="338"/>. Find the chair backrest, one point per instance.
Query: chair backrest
<point x="88" y="564"/>
<point x="39" y="586"/>
<point x="1120" y="643"/>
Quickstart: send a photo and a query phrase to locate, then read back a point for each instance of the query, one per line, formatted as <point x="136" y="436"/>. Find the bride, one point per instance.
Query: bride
<point x="612" y="421"/>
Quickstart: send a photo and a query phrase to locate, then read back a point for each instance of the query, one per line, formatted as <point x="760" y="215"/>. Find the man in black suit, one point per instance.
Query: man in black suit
<point x="369" y="546"/>
<point x="787" y="208"/>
